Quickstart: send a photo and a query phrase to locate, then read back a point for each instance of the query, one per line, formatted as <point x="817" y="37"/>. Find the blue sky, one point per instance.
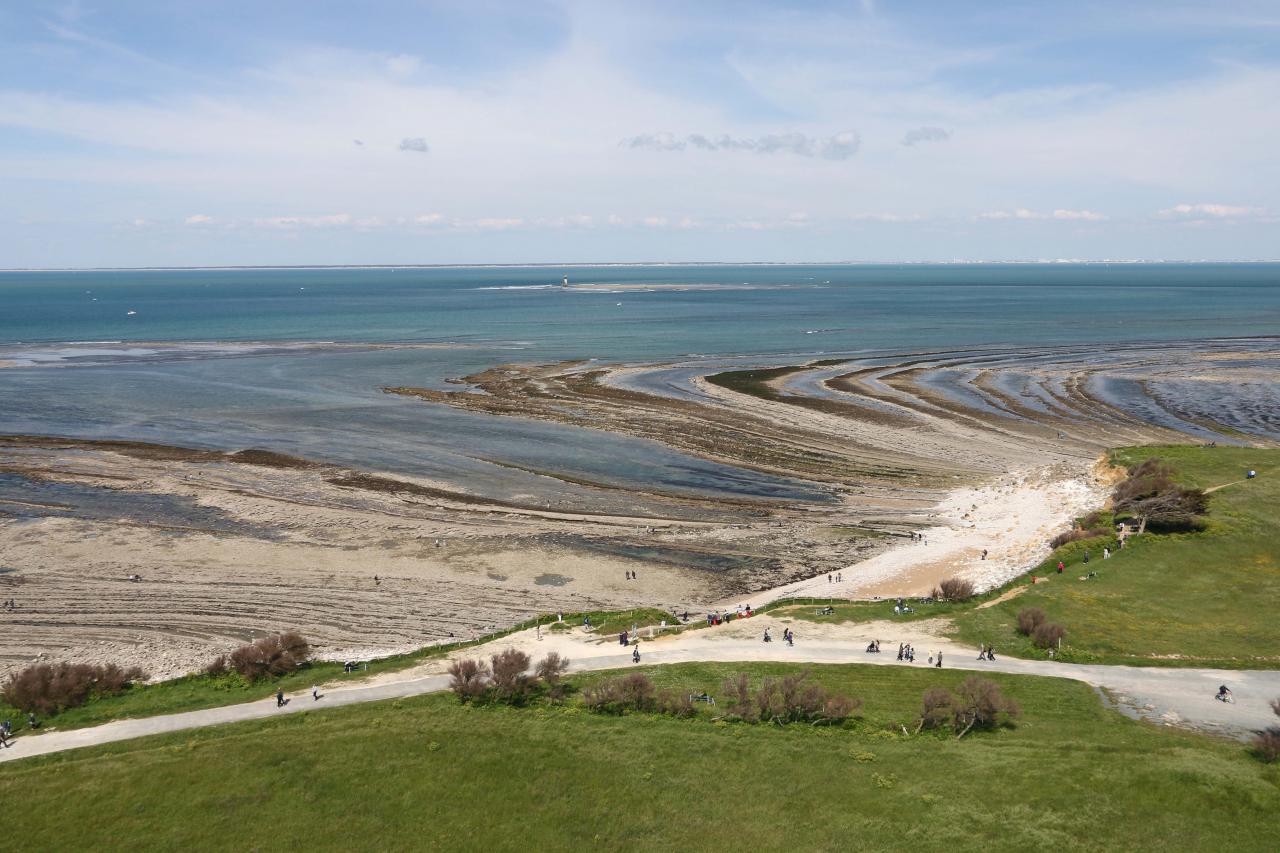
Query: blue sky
<point x="155" y="133"/>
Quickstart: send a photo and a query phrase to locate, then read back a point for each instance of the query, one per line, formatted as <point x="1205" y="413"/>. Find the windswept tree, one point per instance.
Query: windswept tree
<point x="1150" y="495"/>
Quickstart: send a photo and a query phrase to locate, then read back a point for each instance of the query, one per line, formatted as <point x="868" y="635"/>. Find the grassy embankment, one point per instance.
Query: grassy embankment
<point x="431" y="773"/>
<point x="1190" y="599"/>
<point x="195" y="692"/>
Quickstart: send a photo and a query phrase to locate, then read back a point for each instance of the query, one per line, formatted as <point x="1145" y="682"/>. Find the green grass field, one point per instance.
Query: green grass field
<point x="1194" y="599"/>
<point x="195" y="692"/>
<point x="429" y="773"/>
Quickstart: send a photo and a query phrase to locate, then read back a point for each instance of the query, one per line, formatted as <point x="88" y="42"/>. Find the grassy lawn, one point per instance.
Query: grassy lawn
<point x="195" y="692"/>
<point x="428" y="773"/>
<point x="1195" y="599"/>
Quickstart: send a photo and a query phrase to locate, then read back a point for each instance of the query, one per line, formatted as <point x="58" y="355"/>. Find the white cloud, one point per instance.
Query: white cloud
<point x="496" y="224"/>
<point x="839" y="146"/>
<point x="198" y="219"/>
<point x="414" y="143"/>
<point x="289" y="222"/>
<point x="1214" y="211"/>
<point x="402" y="65"/>
<point x="1057" y="213"/>
<point x="925" y="134"/>
<point x="1085" y="215"/>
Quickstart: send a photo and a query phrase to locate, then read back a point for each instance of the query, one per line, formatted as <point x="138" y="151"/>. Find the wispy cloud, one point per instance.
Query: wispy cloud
<point x="198" y="219"/>
<point x="414" y="143"/>
<point x="1211" y="211"/>
<point x="331" y="220"/>
<point x="925" y="134"/>
<point x="839" y="146"/>
<point x="1057" y="213"/>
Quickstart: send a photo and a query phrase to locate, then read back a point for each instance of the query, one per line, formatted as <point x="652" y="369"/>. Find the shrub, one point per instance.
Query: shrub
<point x="977" y="703"/>
<point x="675" y="704"/>
<point x="469" y="679"/>
<point x="216" y="667"/>
<point x="1029" y="619"/>
<point x="1099" y="519"/>
<point x="271" y="656"/>
<point x="552" y="667"/>
<point x="937" y="709"/>
<point x="1078" y="533"/>
<point x="511" y="682"/>
<point x="791" y="699"/>
<point x="1046" y="635"/>
<point x="47" y="689"/>
<point x="636" y="692"/>
<point x="1266" y="743"/>
<point x="980" y="703"/>
<point x="550" y="671"/>
<point x="633" y="692"/>
<point x="738" y="701"/>
<point x="954" y="589"/>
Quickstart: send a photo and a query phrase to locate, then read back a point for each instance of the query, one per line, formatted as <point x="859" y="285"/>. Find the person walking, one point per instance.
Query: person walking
<point x="315" y="693"/>
<point x="279" y="697"/>
<point x="938" y="665"/>
<point x="635" y="654"/>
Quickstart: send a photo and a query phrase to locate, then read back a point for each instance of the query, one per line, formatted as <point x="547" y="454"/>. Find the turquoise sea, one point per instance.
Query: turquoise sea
<point x="248" y="359"/>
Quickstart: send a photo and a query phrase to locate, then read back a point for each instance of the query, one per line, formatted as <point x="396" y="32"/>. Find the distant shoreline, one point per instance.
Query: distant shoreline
<point x="610" y="264"/>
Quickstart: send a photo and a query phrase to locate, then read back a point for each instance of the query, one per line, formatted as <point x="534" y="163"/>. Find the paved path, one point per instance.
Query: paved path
<point x="1174" y="696"/>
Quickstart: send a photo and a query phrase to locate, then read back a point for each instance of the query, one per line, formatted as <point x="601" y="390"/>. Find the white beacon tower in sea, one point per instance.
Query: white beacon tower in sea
<point x="565" y="283"/>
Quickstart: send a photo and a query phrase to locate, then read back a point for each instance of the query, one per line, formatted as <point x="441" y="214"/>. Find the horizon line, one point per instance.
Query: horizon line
<point x="580" y="264"/>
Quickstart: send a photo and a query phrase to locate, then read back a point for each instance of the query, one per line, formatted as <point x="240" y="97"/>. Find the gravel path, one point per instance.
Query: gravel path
<point x="1165" y="695"/>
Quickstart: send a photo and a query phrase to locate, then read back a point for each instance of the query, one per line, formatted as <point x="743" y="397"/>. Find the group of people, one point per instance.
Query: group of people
<point x="6" y="729"/>
<point x="10" y="604"/>
<point x="631" y="576"/>
<point x="718" y="618"/>
<point x="907" y="653"/>
<point x="919" y="537"/>
<point x="836" y="578"/>
<point x="787" y="634"/>
<point x="987" y="653"/>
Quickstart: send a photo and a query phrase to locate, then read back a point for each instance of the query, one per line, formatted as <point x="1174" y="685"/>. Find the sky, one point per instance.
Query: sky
<point x="176" y="132"/>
